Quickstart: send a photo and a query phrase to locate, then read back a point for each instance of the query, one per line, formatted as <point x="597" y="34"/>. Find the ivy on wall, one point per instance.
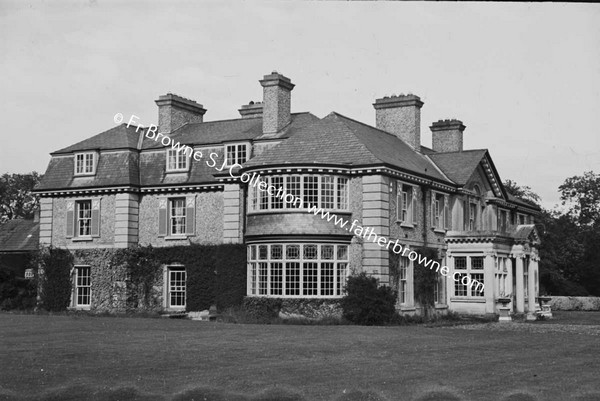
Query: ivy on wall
<point x="425" y="279"/>
<point x="55" y="266"/>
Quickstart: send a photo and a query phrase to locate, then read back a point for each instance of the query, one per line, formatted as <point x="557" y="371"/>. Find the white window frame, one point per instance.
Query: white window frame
<point x="503" y="225"/>
<point x="85" y="163"/>
<point x="178" y="292"/>
<point x="328" y="267"/>
<point x="81" y="220"/>
<point x="470" y="270"/>
<point x="82" y="291"/>
<point x="440" y="206"/>
<point x="171" y="223"/>
<point x="230" y="161"/>
<point x="260" y="201"/>
<point x="521" y="216"/>
<point x="406" y="204"/>
<point x="179" y="156"/>
<point x="473" y="215"/>
<point x="403" y="269"/>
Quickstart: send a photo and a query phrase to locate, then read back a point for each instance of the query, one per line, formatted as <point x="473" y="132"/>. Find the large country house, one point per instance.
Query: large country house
<point x="120" y="188"/>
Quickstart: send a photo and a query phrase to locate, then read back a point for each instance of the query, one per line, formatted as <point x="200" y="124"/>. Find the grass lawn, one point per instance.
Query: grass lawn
<point x="167" y="356"/>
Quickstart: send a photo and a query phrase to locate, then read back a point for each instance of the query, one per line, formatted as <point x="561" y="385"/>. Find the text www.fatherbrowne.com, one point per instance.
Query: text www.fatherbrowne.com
<point x="255" y="180"/>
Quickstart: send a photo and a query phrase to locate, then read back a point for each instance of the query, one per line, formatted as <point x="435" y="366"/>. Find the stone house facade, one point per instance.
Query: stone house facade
<point x="121" y="188"/>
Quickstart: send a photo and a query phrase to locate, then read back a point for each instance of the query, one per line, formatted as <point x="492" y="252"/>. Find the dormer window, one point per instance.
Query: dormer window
<point x="236" y="154"/>
<point x="177" y="161"/>
<point x="85" y="163"/>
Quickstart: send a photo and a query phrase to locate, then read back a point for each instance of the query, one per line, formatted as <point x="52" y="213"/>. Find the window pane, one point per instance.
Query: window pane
<point x="84" y="218"/>
<point x="342" y="252"/>
<point x="342" y="193"/>
<point x="276" y="278"/>
<point x="310" y="271"/>
<point x="276" y="251"/>
<point x="292" y="276"/>
<point x="477" y="262"/>
<point x="262" y="278"/>
<point x="277" y="183"/>
<point x="341" y="278"/>
<point x="263" y="252"/>
<point x="311" y="191"/>
<point x="292" y="251"/>
<point x="460" y="262"/>
<point x="460" y="290"/>
<point x="327" y="279"/>
<point x="310" y="251"/>
<point x="292" y="186"/>
<point x="327" y="252"/>
<point x="327" y="188"/>
<point x="177" y="216"/>
<point x="479" y="278"/>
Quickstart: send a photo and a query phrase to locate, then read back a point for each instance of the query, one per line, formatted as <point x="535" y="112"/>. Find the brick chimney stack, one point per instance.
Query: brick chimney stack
<point x="175" y="111"/>
<point x="276" y="102"/>
<point x="251" y="110"/>
<point x="447" y="135"/>
<point x="401" y="116"/>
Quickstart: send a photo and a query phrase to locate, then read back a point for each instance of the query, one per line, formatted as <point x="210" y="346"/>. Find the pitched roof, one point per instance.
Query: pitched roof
<point x="212" y="132"/>
<point x="522" y="202"/>
<point x="119" y="137"/>
<point x="19" y="235"/>
<point x="458" y="166"/>
<point x="113" y="169"/>
<point x="339" y="140"/>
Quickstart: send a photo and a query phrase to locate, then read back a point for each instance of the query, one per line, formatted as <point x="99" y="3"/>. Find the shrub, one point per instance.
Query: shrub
<point x="55" y="277"/>
<point x="367" y="303"/>
<point x="16" y="292"/>
<point x="262" y="309"/>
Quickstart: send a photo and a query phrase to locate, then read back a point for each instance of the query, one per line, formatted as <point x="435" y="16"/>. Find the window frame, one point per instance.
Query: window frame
<point x="408" y="191"/>
<point x="470" y="269"/>
<point x="79" y="220"/>
<point x="293" y="265"/>
<point x="298" y="185"/>
<point x="86" y="290"/>
<point x="84" y="163"/>
<point x="170" y="217"/>
<point x="179" y="156"/>
<point x="170" y="292"/>
<point x="236" y="159"/>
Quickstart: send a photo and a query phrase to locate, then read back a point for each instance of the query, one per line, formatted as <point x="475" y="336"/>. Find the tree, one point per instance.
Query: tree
<point x="16" y="199"/>
<point x="522" y="192"/>
<point x="582" y="194"/>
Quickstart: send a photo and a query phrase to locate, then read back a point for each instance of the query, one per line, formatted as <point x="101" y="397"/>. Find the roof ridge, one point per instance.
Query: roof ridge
<point x="459" y="151"/>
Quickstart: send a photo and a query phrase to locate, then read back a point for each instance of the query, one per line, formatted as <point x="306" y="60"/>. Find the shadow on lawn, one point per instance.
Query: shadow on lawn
<point x="79" y="393"/>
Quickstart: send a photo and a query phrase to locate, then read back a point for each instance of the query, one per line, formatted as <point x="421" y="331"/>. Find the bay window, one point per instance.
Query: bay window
<point x="297" y="270"/>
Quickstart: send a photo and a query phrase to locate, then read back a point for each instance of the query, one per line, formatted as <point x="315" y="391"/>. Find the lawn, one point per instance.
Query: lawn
<point x="162" y="357"/>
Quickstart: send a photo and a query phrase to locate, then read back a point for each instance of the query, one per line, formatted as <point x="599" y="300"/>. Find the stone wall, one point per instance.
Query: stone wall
<point x="209" y="220"/>
<point x="107" y="223"/>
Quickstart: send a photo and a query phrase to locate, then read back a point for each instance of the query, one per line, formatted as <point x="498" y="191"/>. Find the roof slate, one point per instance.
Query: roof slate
<point x="19" y="235"/>
<point x="119" y="137"/>
<point x="458" y="166"/>
<point x="339" y="140"/>
<point x="113" y="169"/>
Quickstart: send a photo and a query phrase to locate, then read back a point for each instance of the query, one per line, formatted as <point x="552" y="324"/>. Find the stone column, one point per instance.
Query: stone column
<point x="520" y="306"/>
<point x="449" y="280"/>
<point x="232" y="221"/>
<point x="508" y="289"/>
<point x="531" y="290"/>
<point x="488" y="282"/>
<point x="376" y="219"/>
<point x="46" y="221"/>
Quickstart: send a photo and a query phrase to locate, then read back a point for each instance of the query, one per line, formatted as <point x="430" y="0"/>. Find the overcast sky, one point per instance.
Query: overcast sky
<point x="524" y="78"/>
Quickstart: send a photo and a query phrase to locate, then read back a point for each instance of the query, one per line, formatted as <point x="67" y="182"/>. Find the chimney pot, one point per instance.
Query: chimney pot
<point x="251" y="110"/>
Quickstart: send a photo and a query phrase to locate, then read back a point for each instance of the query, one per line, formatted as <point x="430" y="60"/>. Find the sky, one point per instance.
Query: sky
<point x="524" y="78"/>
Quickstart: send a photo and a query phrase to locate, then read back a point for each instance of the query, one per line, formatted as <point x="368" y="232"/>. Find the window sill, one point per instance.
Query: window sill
<point x="441" y="306"/>
<point x="405" y="225"/>
<point x="407" y="308"/>
<point x="82" y="239"/>
<point x="479" y="300"/>
<point x="177" y="171"/>
<point x="175" y="237"/>
<point x="439" y="230"/>
<point x="84" y="174"/>
<point x="86" y="307"/>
